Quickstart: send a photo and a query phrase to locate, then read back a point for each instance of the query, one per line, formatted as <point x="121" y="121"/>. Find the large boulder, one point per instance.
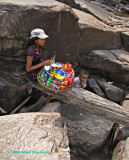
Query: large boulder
<point x="121" y="151"/>
<point x="112" y="92"/>
<point x="7" y="89"/>
<point x="18" y="18"/>
<point x="95" y="87"/>
<point x="95" y="34"/>
<point x="115" y="64"/>
<point x="107" y="16"/>
<point x="11" y="65"/>
<point x="87" y="133"/>
<point x="66" y="39"/>
<point x="103" y="13"/>
<point x="95" y="10"/>
<point x="33" y="136"/>
<point x="13" y="89"/>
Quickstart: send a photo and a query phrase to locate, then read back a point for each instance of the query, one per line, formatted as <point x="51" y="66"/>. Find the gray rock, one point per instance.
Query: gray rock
<point x="8" y="104"/>
<point x="63" y="34"/>
<point x="11" y="64"/>
<point x="94" y="34"/>
<point x="104" y="6"/>
<point x="115" y="64"/>
<point x="121" y="151"/>
<point x="13" y="88"/>
<point x="122" y="8"/>
<point x="127" y="93"/>
<point x="125" y="104"/>
<point x="68" y="2"/>
<point x="22" y="110"/>
<point x="7" y="89"/>
<point x="83" y="128"/>
<point x="51" y="107"/>
<point x="102" y="12"/>
<point x="122" y="133"/>
<point x="95" y="88"/>
<point x="34" y="133"/>
<point x="67" y="36"/>
<point x="106" y="60"/>
<point x="125" y="40"/>
<point x="34" y="107"/>
<point x="112" y="92"/>
<point x="87" y="133"/>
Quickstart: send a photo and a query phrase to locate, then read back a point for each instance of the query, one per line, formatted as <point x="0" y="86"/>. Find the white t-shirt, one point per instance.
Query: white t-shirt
<point x="77" y="82"/>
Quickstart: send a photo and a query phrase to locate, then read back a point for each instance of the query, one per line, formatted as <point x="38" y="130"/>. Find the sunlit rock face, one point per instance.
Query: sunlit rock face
<point x="33" y="136"/>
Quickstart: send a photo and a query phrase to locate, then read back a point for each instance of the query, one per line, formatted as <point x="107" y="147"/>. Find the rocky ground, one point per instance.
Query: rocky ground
<point x="33" y="136"/>
<point x="91" y="36"/>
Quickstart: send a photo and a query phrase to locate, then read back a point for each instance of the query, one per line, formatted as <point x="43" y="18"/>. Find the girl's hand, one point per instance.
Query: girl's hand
<point x="47" y="62"/>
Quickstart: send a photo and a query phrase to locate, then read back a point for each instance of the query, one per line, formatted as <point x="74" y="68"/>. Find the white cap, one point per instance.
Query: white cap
<point x="38" y="33"/>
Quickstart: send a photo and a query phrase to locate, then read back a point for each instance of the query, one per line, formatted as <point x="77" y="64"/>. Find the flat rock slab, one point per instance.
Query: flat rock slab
<point x="34" y="136"/>
<point x="95" y="34"/>
<point x="114" y="62"/>
<point x="91" y="21"/>
<point x="101" y="13"/>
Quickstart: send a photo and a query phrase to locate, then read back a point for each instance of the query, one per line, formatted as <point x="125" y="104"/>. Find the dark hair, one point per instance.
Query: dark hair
<point x="31" y="42"/>
<point x="84" y="72"/>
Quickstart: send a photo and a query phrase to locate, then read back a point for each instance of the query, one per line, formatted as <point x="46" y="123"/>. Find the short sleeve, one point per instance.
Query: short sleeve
<point x="76" y="81"/>
<point x="30" y="52"/>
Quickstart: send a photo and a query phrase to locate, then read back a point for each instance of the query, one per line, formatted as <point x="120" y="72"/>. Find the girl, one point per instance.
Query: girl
<point x="33" y="60"/>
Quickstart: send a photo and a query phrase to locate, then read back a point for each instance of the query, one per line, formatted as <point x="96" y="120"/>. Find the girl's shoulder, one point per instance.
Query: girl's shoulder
<point x="30" y="51"/>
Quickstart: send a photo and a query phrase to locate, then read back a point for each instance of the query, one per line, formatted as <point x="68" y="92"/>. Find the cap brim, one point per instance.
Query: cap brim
<point x="44" y="36"/>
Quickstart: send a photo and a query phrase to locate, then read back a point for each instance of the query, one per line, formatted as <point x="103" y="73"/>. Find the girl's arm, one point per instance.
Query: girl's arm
<point x="29" y="66"/>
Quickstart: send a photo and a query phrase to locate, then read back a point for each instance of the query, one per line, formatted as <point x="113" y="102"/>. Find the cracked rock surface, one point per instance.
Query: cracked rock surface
<point x="31" y="134"/>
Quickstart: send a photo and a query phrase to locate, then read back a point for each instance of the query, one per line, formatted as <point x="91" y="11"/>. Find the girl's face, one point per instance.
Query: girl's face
<point x="40" y="42"/>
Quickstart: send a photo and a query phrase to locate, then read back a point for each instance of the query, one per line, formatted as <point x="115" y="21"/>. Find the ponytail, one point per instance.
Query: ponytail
<point x="31" y="42"/>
